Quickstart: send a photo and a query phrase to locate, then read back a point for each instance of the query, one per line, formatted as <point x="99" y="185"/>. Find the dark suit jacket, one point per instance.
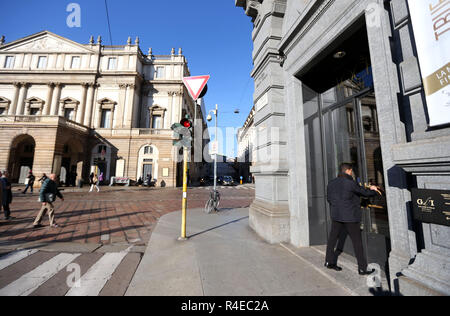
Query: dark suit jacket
<point x="344" y="196"/>
<point x="7" y="196"/>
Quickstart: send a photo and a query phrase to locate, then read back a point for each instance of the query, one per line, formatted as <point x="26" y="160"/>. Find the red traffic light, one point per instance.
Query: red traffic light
<point x="186" y="123"/>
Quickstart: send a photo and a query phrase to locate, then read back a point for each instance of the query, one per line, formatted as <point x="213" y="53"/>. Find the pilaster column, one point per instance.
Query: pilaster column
<point x="144" y="107"/>
<point x="48" y="101"/>
<point x="171" y="113"/>
<point x="12" y="108"/>
<point x="22" y="97"/>
<point x="89" y="105"/>
<point x="129" y="109"/>
<point x="82" y="107"/>
<point x="55" y="99"/>
<point x="121" y="108"/>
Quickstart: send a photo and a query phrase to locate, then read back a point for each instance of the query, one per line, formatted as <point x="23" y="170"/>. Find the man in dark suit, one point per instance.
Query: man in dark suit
<point x="7" y="196"/>
<point x="344" y="196"/>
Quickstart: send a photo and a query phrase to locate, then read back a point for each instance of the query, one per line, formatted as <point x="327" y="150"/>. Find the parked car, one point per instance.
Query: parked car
<point x="228" y="181"/>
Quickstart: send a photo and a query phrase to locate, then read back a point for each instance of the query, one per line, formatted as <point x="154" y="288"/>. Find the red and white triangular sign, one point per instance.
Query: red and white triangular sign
<point x="195" y="85"/>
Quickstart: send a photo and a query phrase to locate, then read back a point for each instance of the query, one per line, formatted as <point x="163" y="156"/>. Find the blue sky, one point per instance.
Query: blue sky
<point x="214" y="34"/>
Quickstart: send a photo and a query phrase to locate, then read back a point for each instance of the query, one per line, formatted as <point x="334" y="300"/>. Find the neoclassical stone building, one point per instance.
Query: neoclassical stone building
<point x="342" y="81"/>
<point x="68" y="107"/>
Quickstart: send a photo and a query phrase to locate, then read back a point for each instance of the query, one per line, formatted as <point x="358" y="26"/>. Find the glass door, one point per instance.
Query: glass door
<point x="351" y="134"/>
<point x="375" y="219"/>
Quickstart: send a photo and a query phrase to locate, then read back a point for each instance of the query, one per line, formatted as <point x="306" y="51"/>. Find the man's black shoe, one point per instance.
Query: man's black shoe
<point x="37" y="226"/>
<point x="365" y="272"/>
<point x="333" y="267"/>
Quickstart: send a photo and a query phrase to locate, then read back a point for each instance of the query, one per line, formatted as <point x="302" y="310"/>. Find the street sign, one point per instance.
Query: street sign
<point x="195" y="85"/>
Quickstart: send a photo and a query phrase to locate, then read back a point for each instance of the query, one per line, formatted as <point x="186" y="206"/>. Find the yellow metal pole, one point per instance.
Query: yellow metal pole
<point x="184" y="203"/>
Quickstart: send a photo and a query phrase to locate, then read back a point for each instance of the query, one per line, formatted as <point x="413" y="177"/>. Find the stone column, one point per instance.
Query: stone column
<point x="22" y="97"/>
<point x="144" y="107"/>
<point x="121" y="108"/>
<point x="89" y="105"/>
<point x="12" y="108"/>
<point x="171" y="112"/>
<point x="269" y="214"/>
<point x="55" y="99"/>
<point x="129" y="109"/>
<point x="82" y="108"/>
<point x="48" y="101"/>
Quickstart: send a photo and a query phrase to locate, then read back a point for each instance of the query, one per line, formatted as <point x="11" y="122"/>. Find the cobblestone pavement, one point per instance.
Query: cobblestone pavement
<point x="116" y="215"/>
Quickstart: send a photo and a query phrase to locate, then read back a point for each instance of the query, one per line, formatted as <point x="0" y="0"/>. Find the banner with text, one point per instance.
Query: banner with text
<point x="431" y="24"/>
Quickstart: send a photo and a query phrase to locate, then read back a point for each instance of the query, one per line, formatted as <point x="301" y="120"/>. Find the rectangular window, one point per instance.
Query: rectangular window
<point x="106" y="119"/>
<point x="42" y="62"/>
<point x="75" y="62"/>
<point x="9" y="62"/>
<point x="157" y="122"/>
<point x="112" y="63"/>
<point x="34" y="111"/>
<point x="69" y="114"/>
<point x="101" y="149"/>
<point x="159" y="72"/>
<point x="148" y="150"/>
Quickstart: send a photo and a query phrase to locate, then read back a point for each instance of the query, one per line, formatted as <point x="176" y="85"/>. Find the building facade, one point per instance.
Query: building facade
<point x="69" y="108"/>
<point x="246" y="140"/>
<point x="340" y="81"/>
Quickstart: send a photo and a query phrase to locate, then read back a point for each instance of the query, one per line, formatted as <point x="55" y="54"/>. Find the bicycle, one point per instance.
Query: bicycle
<point x="213" y="202"/>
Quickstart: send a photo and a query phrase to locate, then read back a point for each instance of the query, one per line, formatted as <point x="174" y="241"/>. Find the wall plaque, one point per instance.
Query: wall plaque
<point x="431" y="206"/>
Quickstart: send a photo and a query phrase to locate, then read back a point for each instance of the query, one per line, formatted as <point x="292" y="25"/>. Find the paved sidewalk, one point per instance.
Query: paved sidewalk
<point x="116" y="215"/>
<point x="224" y="257"/>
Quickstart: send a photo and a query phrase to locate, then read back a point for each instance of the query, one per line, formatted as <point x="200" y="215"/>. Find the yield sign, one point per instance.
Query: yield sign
<point x="195" y="85"/>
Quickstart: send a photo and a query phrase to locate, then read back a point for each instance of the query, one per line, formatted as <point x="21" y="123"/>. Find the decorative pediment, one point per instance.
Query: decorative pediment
<point x="106" y="104"/>
<point x="45" y="42"/>
<point x="157" y="108"/>
<point x="34" y="102"/>
<point x="4" y="102"/>
<point x="106" y="101"/>
<point x="69" y="103"/>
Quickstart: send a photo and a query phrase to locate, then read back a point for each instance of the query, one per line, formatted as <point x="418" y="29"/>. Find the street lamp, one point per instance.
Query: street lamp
<point x="209" y="118"/>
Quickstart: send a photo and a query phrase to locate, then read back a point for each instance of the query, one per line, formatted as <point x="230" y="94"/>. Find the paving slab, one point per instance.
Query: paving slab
<point x="222" y="257"/>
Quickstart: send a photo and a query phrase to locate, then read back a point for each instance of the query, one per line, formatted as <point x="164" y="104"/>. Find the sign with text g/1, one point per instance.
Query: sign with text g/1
<point x="431" y="24"/>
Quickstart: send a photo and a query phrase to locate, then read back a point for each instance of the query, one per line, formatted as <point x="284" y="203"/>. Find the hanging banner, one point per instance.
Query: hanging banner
<point x="431" y="25"/>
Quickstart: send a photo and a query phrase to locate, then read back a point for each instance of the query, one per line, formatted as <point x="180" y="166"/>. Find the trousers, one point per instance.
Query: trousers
<point x="338" y="230"/>
<point x="51" y="214"/>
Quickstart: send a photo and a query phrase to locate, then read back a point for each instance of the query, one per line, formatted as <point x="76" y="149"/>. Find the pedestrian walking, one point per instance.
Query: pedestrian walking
<point x="93" y="181"/>
<point x="31" y="178"/>
<point x="7" y="196"/>
<point x="344" y="196"/>
<point x="43" y="178"/>
<point x="47" y="196"/>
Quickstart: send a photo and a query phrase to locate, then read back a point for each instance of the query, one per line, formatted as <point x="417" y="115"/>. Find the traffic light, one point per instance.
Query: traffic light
<point x="183" y="132"/>
<point x="186" y="123"/>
